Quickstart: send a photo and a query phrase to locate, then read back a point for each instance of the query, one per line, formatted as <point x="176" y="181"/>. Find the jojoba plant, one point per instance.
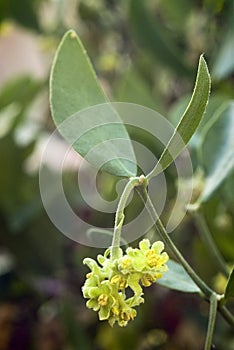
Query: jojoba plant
<point x="74" y="88"/>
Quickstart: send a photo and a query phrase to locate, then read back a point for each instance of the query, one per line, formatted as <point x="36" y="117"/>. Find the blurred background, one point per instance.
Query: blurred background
<point x="144" y="52"/>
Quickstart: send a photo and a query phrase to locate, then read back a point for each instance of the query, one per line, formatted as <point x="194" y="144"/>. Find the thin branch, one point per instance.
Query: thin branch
<point x="211" y="323"/>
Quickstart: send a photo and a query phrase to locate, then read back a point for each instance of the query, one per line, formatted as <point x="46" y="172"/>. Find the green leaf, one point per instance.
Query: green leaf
<point x="217" y="149"/>
<point x="177" y="278"/>
<point x="229" y="292"/>
<point x="189" y="121"/>
<point x="215" y="101"/>
<point x="96" y="133"/>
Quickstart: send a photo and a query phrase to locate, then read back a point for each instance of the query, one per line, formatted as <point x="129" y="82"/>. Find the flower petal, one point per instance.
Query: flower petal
<point x="93" y="304"/>
<point x="133" y="282"/>
<point x="104" y="313"/>
<point x="139" y="263"/>
<point x="101" y="259"/>
<point x="94" y="292"/>
<point x="158" y="247"/>
<point x="144" y="244"/>
<point x="163" y="258"/>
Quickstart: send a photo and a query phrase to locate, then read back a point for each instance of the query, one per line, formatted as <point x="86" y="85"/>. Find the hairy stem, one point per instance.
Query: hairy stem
<point x="119" y="216"/>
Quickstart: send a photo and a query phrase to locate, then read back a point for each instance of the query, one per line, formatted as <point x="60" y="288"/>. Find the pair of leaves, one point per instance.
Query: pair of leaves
<point x="74" y="88"/>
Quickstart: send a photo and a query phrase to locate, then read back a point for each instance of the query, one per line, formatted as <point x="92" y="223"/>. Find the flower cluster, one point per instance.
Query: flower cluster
<point x="106" y="284"/>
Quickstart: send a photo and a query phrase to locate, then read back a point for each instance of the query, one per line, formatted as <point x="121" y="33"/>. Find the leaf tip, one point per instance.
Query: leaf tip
<point x="72" y="34"/>
<point x="203" y="64"/>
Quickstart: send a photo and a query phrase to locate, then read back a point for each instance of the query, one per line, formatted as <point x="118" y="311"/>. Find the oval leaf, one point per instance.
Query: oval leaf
<point x="217" y="149"/>
<point x="96" y="131"/>
<point x="177" y="278"/>
<point x="189" y="121"/>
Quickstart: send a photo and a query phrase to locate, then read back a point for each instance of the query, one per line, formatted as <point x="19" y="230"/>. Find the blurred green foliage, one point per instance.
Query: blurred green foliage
<point x="23" y="12"/>
<point x="144" y="52"/>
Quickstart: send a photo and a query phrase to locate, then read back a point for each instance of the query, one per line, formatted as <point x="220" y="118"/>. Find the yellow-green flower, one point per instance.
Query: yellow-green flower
<point x="122" y="311"/>
<point x="106" y="284"/>
<point x="145" y="258"/>
<point x="101" y="300"/>
<point x="148" y="262"/>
